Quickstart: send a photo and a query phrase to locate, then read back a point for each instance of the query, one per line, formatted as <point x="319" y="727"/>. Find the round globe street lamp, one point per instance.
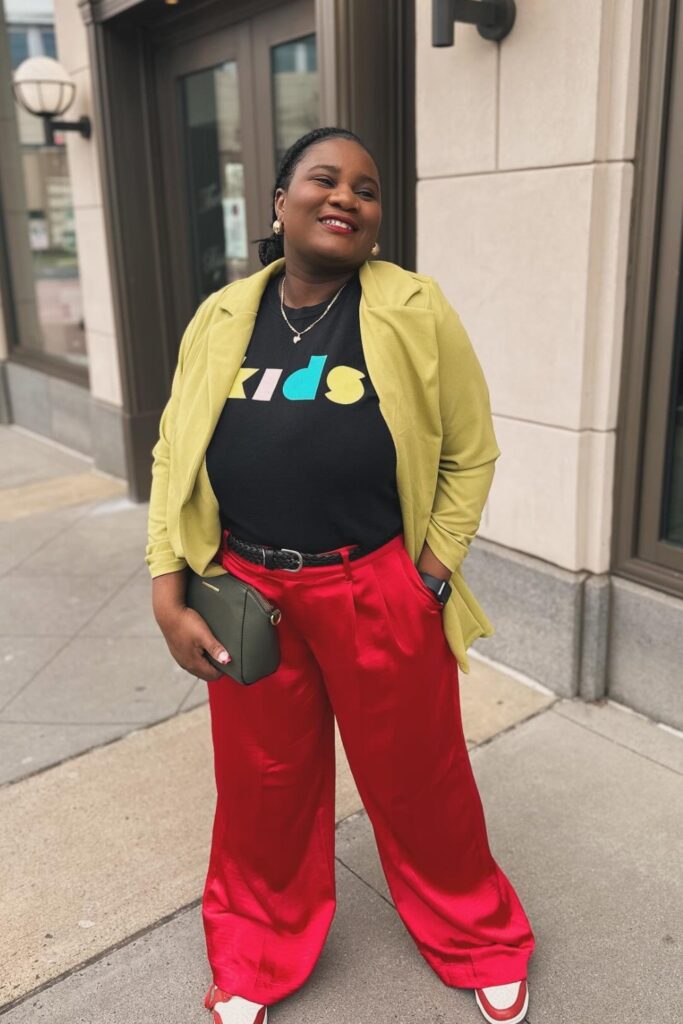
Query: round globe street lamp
<point x="44" y="88"/>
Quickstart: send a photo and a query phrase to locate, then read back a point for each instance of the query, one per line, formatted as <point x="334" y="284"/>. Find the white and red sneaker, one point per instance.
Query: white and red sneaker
<point x="229" y="1009"/>
<point x="507" y="1003"/>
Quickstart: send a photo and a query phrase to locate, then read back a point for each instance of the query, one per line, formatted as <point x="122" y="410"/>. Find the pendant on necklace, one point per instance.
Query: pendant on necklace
<point x="297" y="337"/>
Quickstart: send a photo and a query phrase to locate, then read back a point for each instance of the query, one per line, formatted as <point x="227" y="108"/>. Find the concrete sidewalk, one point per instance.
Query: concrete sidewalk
<point x="108" y="799"/>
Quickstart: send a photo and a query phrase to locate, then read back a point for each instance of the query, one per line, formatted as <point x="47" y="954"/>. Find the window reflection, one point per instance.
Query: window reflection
<point x="673" y="476"/>
<point x="296" y="92"/>
<point x="40" y="213"/>
<point x="215" y="175"/>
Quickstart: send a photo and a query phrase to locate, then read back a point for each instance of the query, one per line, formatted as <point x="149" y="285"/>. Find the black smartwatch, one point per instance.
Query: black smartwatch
<point x="441" y="588"/>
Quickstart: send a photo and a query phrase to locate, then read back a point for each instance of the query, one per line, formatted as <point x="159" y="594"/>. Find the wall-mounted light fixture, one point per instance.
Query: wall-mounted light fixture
<point x="493" y="18"/>
<point x="44" y="88"/>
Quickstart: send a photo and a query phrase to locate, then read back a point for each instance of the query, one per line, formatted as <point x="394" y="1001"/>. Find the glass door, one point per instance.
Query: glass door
<point x="214" y="170"/>
<point x="208" y="151"/>
<point x="672" y="498"/>
<point x="288" y="84"/>
<point x="230" y="103"/>
<point x="658" y="380"/>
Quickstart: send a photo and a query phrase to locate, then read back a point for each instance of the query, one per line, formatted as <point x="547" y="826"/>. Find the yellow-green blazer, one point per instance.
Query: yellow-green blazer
<point x="432" y="394"/>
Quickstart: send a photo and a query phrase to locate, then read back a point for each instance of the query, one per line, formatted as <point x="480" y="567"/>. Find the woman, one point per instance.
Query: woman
<point x="329" y="440"/>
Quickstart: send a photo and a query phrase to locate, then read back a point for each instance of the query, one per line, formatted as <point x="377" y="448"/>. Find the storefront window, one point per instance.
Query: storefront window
<point x="673" y="477"/>
<point x="648" y="498"/>
<point x="38" y="210"/>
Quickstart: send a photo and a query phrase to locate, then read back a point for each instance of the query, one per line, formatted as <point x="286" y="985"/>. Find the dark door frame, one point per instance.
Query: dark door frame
<point x="175" y="62"/>
<point x="654" y="260"/>
<point x="248" y="44"/>
<point x="367" y="66"/>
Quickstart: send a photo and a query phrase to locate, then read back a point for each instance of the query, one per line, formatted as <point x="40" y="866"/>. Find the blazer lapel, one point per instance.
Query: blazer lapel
<point x="398" y="341"/>
<point x="227" y="341"/>
<point x="229" y="336"/>
<point x="401" y="353"/>
<point x="400" y="350"/>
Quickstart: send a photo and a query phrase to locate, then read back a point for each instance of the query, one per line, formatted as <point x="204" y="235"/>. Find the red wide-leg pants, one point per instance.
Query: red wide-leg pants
<point x="362" y="641"/>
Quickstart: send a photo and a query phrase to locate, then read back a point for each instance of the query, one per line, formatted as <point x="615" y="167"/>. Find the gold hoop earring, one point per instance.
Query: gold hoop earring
<point x="375" y="249"/>
<point x="277" y="227"/>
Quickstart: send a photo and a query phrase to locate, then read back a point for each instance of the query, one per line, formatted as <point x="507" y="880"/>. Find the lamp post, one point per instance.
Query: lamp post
<point x="44" y="88"/>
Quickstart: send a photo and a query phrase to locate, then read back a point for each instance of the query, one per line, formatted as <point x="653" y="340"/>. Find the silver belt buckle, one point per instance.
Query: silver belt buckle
<point x="291" y="551"/>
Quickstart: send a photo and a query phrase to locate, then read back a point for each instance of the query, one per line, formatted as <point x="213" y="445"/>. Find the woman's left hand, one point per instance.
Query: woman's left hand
<point x="428" y="562"/>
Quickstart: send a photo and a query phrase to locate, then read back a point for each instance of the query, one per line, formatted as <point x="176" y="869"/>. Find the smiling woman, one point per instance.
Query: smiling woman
<point x="327" y="190"/>
<point x="329" y="441"/>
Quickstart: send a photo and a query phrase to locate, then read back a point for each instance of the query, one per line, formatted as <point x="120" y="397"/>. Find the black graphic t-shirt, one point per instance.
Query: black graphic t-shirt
<point x="301" y="456"/>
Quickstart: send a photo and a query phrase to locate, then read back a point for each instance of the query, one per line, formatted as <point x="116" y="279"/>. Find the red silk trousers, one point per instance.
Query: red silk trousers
<point x="362" y="641"/>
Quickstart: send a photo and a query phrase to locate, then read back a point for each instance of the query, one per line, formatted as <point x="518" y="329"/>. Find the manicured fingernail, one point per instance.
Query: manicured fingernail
<point x="223" y="656"/>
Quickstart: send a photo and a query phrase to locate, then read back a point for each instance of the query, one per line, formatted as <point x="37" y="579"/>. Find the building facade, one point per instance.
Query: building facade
<point x="538" y="179"/>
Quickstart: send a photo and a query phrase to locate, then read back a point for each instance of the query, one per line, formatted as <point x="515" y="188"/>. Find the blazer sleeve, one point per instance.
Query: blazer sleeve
<point x="159" y="553"/>
<point x="469" y="447"/>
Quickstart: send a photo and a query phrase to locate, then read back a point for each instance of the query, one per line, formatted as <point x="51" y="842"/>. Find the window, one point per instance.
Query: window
<point x="18" y="46"/>
<point x="672" y="498"/>
<point x="39" y="218"/>
<point x="648" y="506"/>
<point x="215" y="173"/>
<point x="296" y="91"/>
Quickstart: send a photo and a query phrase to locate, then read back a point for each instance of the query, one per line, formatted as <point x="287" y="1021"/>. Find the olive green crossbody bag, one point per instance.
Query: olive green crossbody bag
<point x="244" y="622"/>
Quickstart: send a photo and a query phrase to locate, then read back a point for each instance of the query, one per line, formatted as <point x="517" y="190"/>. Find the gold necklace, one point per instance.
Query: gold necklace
<point x="297" y="334"/>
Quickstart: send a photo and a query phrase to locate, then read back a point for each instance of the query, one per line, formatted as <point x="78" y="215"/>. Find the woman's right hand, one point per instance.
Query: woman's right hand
<point x="187" y="636"/>
<point x="184" y="630"/>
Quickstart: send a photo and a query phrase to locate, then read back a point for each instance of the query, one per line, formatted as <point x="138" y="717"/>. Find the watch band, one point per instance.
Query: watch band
<point x="441" y="588"/>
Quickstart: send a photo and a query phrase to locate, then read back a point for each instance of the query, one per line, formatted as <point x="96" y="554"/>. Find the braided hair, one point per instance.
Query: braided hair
<point x="273" y="247"/>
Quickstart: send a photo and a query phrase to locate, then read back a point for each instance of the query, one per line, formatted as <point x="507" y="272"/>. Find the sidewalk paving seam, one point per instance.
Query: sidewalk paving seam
<point x="71" y="576"/>
<point x="49" y="540"/>
<point x="142" y="725"/>
<point x="99" y="745"/>
<point x="363" y="880"/>
<point x="133" y="937"/>
<point x="179" y="709"/>
<point x="22" y="636"/>
<point x="88" y="508"/>
<point x="513" y="725"/>
<point x="115" y="593"/>
<point x="97" y="957"/>
<point x="32" y="721"/>
<point x="610" y="739"/>
<point x="50" y="657"/>
<point x="611" y="702"/>
<point x="45" y="439"/>
<point x="511" y="673"/>
<point x="339" y="858"/>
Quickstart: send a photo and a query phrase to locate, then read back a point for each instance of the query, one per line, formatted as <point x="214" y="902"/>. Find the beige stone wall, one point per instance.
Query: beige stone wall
<point x="72" y="51"/>
<point x="525" y="166"/>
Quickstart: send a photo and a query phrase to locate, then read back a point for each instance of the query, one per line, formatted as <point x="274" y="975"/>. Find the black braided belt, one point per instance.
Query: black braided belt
<point x="285" y="558"/>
